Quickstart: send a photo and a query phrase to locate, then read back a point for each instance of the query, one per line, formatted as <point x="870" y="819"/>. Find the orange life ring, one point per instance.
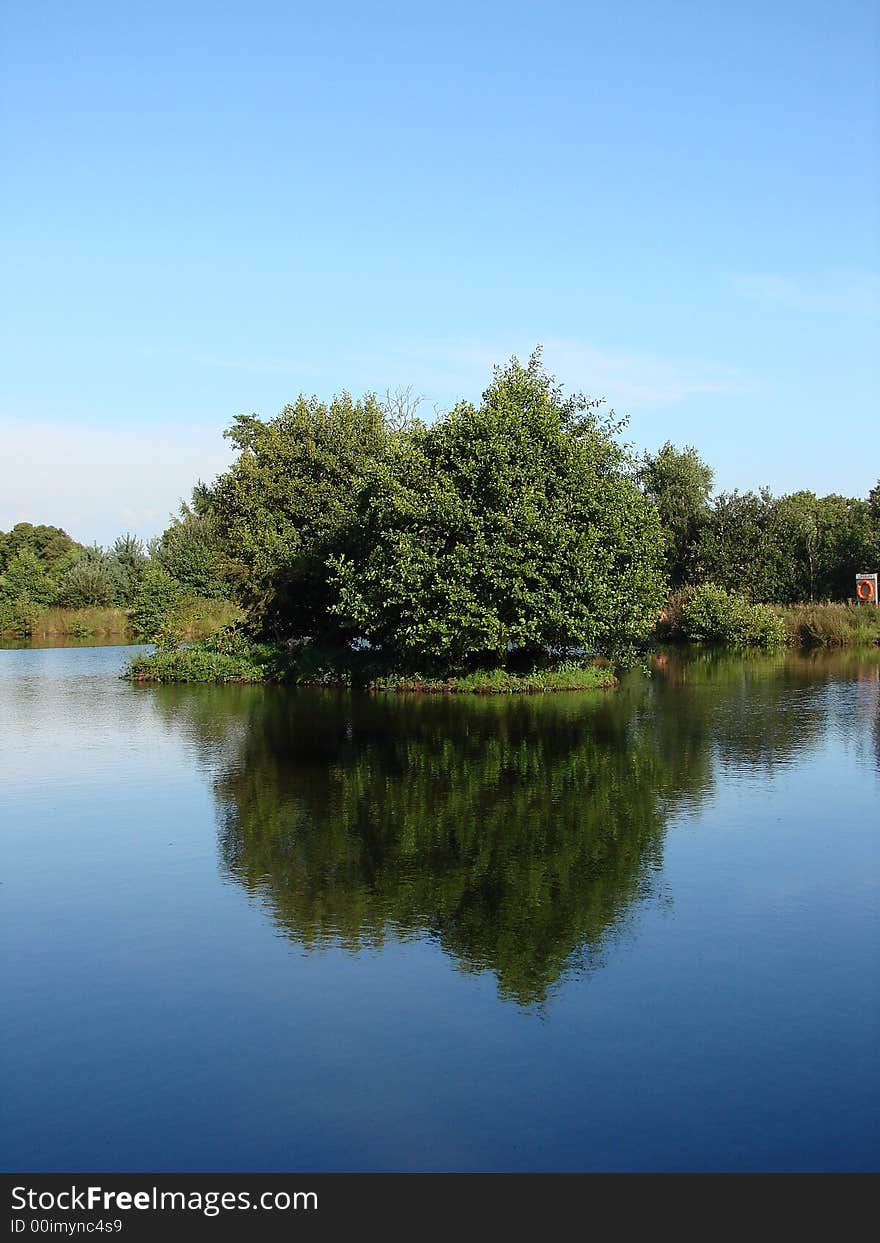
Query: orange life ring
<point x="865" y="590"/>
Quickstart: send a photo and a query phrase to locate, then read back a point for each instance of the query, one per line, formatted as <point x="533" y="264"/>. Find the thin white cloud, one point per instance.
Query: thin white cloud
<point x="628" y="380"/>
<point x="835" y="293"/>
<point x="98" y="482"/>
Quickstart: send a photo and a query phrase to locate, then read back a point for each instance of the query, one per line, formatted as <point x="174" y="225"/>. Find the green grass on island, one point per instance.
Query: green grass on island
<point x="302" y="665"/>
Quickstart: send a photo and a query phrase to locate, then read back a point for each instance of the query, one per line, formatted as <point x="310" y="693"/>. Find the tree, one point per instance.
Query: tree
<point x="517" y="524"/>
<point x="91" y="582"/>
<point x="679" y="483"/>
<point x="130" y="560"/>
<point x="739" y="548"/>
<point x="287" y="504"/>
<point x="156" y="604"/>
<point x="191" y="549"/>
<point x="25" y="578"/>
<point x="52" y="546"/>
<point x="847" y="544"/>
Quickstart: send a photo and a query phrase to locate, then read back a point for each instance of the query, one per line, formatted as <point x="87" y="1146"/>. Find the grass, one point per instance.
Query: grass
<point x="80" y="623"/>
<point x="198" y="619"/>
<point x="831" y="625"/>
<point x="735" y="622"/>
<point x="307" y="666"/>
<point x="566" y="677"/>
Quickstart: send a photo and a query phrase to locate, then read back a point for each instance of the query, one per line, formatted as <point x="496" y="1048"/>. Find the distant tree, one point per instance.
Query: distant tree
<point x="52" y="546"/>
<point x="93" y="581"/>
<point x="739" y="548"/>
<point x="130" y="560"/>
<point x="25" y="578"/>
<point x="192" y="549"/>
<point x="796" y="524"/>
<point x="400" y="407"/>
<point x="679" y="483"/>
<point x="874" y="502"/>
<point x="156" y="604"/>
<point x="847" y="544"/>
<point x="514" y="524"/>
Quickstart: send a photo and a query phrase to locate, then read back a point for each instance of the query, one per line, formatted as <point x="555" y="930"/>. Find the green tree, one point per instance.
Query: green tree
<point x="156" y="604"/>
<point x="91" y="582"/>
<point x="192" y="550"/>
<point x="847" y="544"/>
<point x="25" y="578"/>
<point x="679" y="483"/>
<point x="741" y="548"/>
<point x="517" y="524"/>
<point x="287" y="505"/>
<point x="52" y="546"/>
<point x="130" y="560"/>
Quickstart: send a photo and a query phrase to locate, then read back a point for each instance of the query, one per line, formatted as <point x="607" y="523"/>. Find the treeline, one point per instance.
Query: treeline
<point x="770" y="549"/>
<point x="43" y="568"/>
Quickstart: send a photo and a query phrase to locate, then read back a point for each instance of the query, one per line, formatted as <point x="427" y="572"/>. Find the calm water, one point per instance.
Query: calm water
<point x="255" y="929"/>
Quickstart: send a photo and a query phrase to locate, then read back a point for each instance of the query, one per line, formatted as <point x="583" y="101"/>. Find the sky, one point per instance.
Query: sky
<point x="208" y="208"/>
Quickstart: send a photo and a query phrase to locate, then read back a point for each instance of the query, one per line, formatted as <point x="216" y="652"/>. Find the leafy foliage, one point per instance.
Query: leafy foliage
<point x="713" y="615"/>
<point x="679" y="483"/>
<point x="288" y="503"/>
<point x="155" y="606"/>
<point x="94" y="580"/>
<point x="53" y="547"/>
<point x="26" y="578"/>
<point x="129" y="560"/>
<point x="516" y="524"/>
<point x="191" y="549"/>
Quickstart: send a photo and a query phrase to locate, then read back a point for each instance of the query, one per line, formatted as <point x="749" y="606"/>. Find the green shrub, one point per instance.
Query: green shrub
<point x="196" y="663"/>
<point x="91" y="582"/>
<point x="156" y="606"/>
<point x="713" y="615"/>
<point x="25" y="615"/>
<point x="763" y="627"/>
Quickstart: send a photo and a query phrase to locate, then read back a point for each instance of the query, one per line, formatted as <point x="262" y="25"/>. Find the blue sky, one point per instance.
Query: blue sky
<point x="211" y="207"/>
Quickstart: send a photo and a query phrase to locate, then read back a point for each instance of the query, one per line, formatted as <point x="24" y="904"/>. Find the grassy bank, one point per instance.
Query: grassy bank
<point x="709" y="614"/>
<point x="304" y="666"/>
<point x="197" y="620"/>
<point x="831" y="625"/>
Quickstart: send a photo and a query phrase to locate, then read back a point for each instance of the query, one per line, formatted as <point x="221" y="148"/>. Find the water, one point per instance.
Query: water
<point x="253" y="929"/>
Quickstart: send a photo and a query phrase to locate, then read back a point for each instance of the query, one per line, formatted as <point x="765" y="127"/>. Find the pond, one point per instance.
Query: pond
<point x="258" y="929"/>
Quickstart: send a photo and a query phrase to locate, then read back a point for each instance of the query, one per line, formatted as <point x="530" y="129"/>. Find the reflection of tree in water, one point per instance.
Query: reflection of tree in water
<point x="757" y="711"/>
<point x="518" y="832"/>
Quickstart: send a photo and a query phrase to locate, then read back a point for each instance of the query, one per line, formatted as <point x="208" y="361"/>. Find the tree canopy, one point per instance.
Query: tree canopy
<point x="513" y="525"/>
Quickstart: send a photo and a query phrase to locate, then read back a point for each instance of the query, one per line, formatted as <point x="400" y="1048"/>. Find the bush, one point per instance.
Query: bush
<point x="156" y="606"/>
<point x="25" y="615"/>
<point x="197" y="663"/>
<point x="713" y="615"/>
<point x="91" y="582"/>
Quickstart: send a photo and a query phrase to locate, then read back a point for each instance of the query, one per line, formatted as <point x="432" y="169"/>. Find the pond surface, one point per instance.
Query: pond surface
<point x="256" y="929"/>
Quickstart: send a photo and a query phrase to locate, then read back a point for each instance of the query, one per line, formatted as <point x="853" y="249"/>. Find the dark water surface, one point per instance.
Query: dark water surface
<point x="255" y="929"/>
